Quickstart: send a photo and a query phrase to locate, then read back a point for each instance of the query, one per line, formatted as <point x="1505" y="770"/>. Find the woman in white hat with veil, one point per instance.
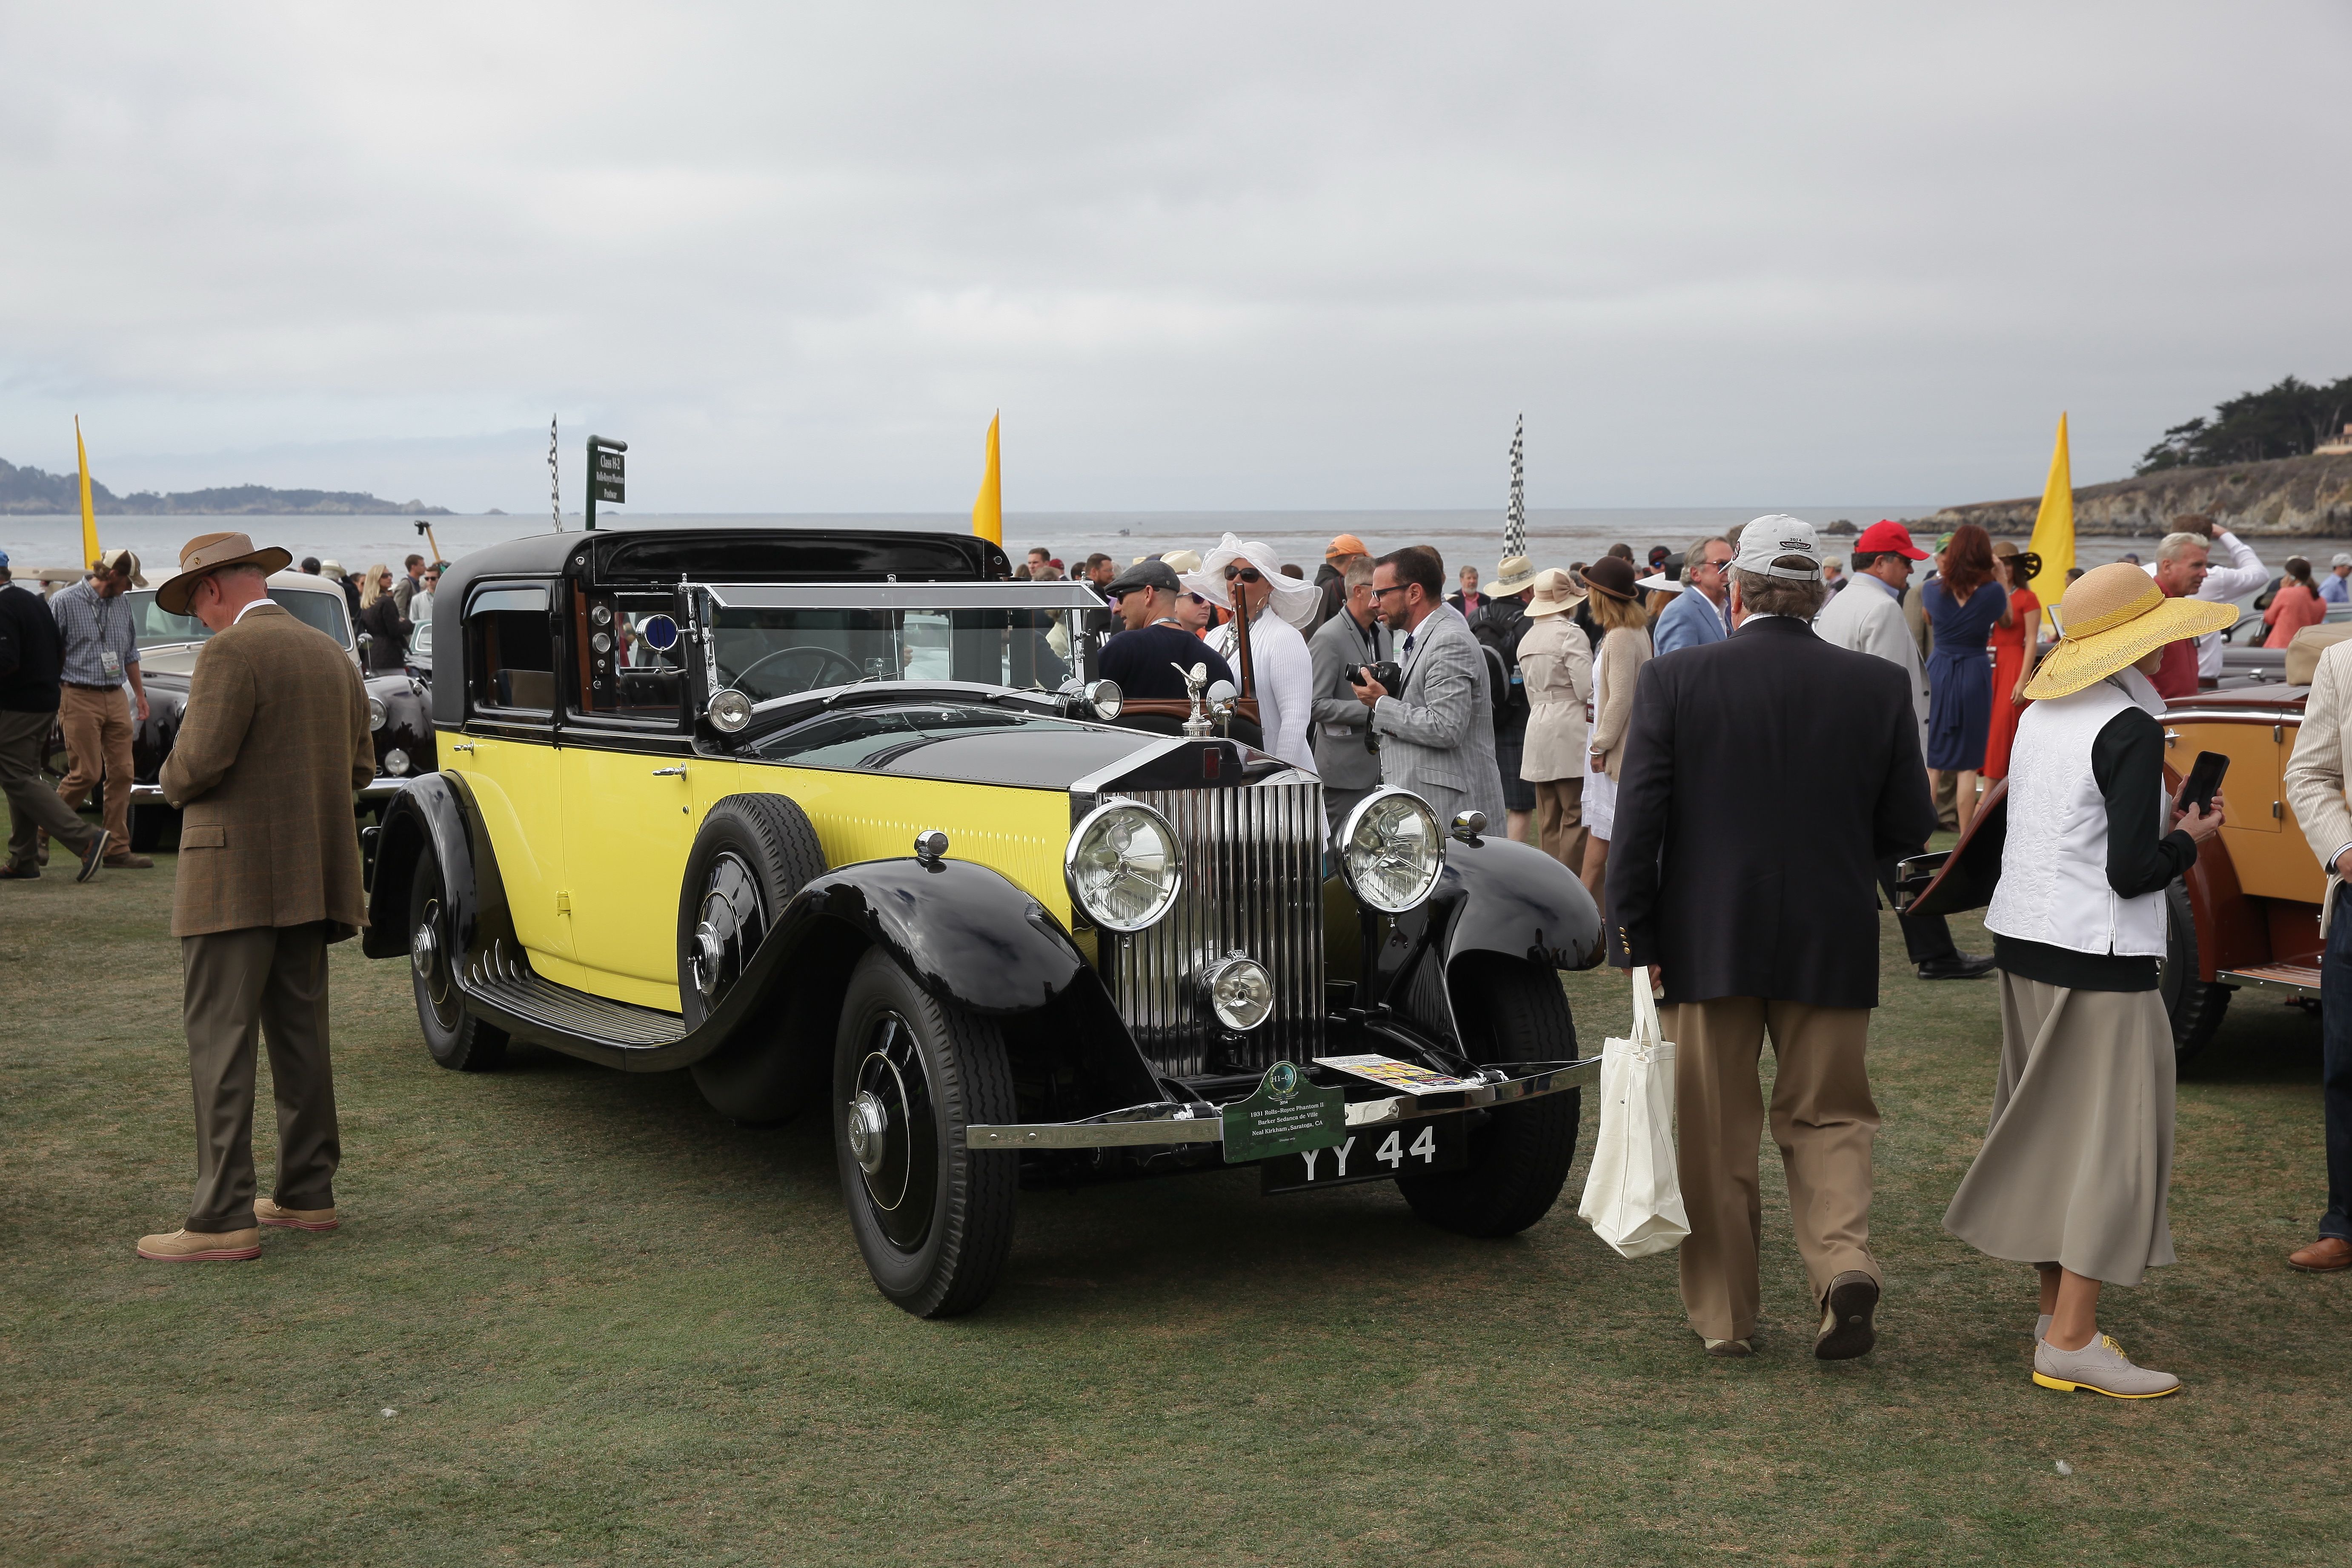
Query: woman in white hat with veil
<point x="1250" y="573"/>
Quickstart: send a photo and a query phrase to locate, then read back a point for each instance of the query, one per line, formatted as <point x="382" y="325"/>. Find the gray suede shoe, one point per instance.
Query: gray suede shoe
<point x="2102" y="1368"/>
<point x="2040" y="1328"/>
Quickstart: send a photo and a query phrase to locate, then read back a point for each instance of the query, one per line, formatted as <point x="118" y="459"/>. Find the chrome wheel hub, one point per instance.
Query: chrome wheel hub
<point x="424" y="947"/>
<point x="733" y="921"/>
<point x="870" y="1130"/>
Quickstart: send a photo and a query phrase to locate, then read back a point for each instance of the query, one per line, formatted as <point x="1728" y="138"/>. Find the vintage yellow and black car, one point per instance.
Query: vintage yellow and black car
<point x="826" y="818"/>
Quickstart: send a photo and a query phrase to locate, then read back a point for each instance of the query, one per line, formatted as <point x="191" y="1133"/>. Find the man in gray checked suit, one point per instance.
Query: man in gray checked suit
<point x="1344" y="756"/>
<point x="1437" y="735"/>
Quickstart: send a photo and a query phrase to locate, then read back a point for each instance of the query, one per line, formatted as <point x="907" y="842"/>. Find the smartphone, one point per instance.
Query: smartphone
<point x="2203" y="781"/>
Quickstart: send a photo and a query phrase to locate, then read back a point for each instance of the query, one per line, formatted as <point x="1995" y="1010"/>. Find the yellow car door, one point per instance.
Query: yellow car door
<point x="508" y="756"/>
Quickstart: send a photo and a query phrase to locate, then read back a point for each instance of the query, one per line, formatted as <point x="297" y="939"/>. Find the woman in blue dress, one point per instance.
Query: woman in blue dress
<point x="1964" y="603"/>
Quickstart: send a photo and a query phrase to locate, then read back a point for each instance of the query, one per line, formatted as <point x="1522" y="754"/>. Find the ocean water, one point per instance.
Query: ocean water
<point x="1555" y="538"/>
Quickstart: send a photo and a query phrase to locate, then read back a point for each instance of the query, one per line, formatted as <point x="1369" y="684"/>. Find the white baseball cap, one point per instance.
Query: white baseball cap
<point x="1767" y="539"/>
<point x="2341" y="560"/>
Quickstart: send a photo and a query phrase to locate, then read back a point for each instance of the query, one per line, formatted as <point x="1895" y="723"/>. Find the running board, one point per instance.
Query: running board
<point x="503" y="984"/>
<point x="2299" y="979"/>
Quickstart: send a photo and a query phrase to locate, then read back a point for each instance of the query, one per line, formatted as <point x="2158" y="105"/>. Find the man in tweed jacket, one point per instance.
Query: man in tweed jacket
<point x="1437" y="735"/>
<point x="275" y="738"/>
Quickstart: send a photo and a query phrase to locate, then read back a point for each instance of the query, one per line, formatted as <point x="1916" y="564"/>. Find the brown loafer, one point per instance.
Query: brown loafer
<point x="266" y="1211"/>
<point x="129" y="863"/>
<point x="1731" y="1349"/>
<point x="1846" y="1331"/>
<point x="199" y="1246"/>
<point x="2325" y="1256"/>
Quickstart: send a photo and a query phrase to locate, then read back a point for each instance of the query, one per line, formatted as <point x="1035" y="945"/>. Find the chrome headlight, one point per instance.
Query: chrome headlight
<point x="1241" y="993"/>
<point x="1391" y="850"/>
<point x="377" y="716"/>
<point x="1105" y="698"/>
<point x="395" y="762"/>
<point x="1123" y="866"/>
<point x="728" y="711"/>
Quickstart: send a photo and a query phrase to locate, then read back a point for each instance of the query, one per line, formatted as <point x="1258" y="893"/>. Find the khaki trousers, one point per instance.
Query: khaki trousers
<point x="1823" y="1120"/>
<point x="33" y="805"/>
<point x="266" y="983"/>
<point x="1560" y="821"/>
<point x="97" y="740"/>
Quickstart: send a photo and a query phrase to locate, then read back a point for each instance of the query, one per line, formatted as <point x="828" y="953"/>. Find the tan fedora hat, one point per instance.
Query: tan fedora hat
<point x="1555" y="593"/>
<point x="209" y="553"/>
<point x="1513" y="575"/>
<point x="2113" y="616"/>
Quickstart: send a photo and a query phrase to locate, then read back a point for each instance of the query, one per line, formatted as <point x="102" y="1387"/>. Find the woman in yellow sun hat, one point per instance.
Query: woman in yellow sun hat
<point x="2074" y="1170"/>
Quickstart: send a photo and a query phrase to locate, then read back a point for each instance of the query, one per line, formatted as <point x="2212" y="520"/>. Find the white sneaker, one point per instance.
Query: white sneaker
<point x="2101" y="1367"/>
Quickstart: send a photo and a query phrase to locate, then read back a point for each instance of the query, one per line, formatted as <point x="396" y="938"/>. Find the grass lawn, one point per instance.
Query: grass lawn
<point x="573" y="1316"/>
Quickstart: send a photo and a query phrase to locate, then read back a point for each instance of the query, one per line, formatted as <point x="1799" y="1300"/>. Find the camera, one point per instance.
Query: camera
<point x="1386" y="672"/>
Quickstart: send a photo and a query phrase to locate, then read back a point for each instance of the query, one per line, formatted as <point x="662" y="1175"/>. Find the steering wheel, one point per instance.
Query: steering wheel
<point x="821" y="660"/>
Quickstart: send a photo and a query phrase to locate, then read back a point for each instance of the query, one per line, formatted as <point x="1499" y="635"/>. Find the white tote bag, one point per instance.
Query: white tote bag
<point x="1633" y="1198"/>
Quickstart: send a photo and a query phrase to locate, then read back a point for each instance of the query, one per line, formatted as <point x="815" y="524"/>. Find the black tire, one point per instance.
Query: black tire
<point x="150" y="825"/>
<point x="2194" y="1007"/>
<point x="458" y="1040"/>
<point x="935" y="1249"/>
<point x="1511" y="1011"/>
<point x="753" y="854"/>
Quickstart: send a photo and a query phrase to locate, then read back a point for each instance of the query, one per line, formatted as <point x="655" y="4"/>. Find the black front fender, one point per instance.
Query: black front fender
<point x="965" y="933"/>
<point x="1519" y="901"/>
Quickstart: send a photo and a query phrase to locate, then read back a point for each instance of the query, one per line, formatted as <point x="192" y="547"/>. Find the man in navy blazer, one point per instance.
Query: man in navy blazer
<point x="1764" y="777"/>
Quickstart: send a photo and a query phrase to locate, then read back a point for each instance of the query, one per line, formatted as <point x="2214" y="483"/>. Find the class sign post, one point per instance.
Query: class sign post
<point x="608" y="474"/>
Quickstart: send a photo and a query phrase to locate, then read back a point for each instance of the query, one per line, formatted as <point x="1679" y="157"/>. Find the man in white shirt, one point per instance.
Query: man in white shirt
<point x="2241" y="573"/>
<point x="1868" y="618"/>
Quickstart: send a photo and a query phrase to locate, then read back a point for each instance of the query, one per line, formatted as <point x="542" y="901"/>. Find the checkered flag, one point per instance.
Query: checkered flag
<point x="554" y="479"/>
<point x="1515" y="516"/>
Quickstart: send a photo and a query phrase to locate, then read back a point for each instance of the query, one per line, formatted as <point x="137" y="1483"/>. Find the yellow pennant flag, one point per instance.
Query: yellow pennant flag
<point x="2054" y="528"/>
<point x="89" y="552"/>
<point x="988" y="511"/>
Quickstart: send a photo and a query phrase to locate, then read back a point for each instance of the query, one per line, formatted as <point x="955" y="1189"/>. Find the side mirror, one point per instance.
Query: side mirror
<point x="367" y="641"/>
<point x="1221" y="697"/>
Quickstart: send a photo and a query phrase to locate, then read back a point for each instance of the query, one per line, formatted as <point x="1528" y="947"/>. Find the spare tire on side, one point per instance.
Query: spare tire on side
<point x="753" y="854"/>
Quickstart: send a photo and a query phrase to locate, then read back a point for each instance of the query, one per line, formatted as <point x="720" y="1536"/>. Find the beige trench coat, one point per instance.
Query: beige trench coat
<point x="274" y="741"/>
<point x="1556" y="659"/>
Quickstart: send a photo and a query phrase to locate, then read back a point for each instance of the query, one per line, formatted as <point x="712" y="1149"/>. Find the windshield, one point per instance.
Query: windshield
<point x="770" y="653"/>
<point x="157" y="625"/>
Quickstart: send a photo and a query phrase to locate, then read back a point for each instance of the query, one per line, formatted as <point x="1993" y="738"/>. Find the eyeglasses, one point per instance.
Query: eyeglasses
<point x="1246" y="573"/>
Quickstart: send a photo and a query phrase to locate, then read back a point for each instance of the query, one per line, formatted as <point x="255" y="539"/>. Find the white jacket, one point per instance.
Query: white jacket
<point x="1284" y="674"/>
<point x="2053" y="869"/>
<point x="1864" y="617"/>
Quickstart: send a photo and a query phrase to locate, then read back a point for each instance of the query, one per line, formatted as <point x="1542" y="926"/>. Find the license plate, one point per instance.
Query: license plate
<point x="1428" y="1143"/>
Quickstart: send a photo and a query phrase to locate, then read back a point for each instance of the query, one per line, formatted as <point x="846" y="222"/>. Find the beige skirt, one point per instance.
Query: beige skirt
<point x="2076" y="1165"/>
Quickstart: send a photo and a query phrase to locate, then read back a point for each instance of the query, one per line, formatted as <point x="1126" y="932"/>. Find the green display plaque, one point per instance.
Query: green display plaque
<point x="1286" y="1115"/>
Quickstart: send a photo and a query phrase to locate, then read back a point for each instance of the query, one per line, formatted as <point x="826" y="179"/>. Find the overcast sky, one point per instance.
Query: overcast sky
<point x="1200" y="256"/>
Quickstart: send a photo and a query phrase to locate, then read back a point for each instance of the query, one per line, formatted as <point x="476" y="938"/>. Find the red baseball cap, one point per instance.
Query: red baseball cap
<point x="1884" y="536"/>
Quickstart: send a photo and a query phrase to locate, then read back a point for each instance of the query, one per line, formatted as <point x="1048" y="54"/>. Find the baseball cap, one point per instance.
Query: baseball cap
<point x="1145" y="574"/>
<point x="124" y="561"/>
<point x="1345" y="544"/>
<point x="1766" y="540"/>
<point x="3" y="560"/>
<point x="1886" y="536"/>
<point x="2341" y="560"/>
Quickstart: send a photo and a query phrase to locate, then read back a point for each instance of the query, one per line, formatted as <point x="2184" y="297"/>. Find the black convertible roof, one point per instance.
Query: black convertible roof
<point x="739" y="555"/>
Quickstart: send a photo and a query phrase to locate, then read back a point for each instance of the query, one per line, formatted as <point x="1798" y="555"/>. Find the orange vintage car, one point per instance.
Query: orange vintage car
<point x="2247" y="914"/>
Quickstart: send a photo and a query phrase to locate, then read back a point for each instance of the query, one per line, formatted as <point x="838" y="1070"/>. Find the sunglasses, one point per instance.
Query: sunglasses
<point x="1244" y="573"/>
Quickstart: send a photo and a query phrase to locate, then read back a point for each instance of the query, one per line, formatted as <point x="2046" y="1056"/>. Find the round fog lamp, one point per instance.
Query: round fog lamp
<point x="728" y="711"/>
<point x="376" y="713"/>
<point x="1124" y="866"/>
<point x="1241" y="993"/>
<point x="1106" y="700"/>
<point x="395" y="762"/>
<point x="1391" y="850"/>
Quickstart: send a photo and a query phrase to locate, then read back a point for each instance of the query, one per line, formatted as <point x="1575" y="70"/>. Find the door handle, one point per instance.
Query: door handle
<point x="676" y="773"/>
<point x="462" y="746"/>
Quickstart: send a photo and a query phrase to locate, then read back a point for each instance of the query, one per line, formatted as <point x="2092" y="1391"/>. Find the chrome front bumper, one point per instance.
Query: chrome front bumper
<point x="1159" y="1124"/>
<point x="384" y="786"/>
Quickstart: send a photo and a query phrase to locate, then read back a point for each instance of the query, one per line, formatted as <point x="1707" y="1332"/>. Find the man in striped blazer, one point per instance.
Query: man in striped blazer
<point x="1437" y="735"/>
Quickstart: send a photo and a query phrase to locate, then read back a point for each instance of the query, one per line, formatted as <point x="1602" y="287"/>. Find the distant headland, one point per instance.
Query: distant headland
<point x="2284" y="497"/>
<point x="31" y="490"/>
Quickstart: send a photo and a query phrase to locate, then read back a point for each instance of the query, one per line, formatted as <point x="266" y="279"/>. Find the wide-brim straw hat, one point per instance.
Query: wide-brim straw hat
<point x="208" y="552"/>
<point x="1296" y="600"/>
<point x="1555" y="593"/>
<point x="1513" y="575"/>
<point x="2024" y="565"/>
<point x="2112" y="618"/>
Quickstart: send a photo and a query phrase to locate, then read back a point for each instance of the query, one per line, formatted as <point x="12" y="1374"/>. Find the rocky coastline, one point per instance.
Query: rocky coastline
<point x="2286" y="497"/>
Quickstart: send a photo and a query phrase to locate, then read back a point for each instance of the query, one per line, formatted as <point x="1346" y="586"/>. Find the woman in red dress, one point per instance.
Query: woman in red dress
<point x="2014" y="648"/>
<point x="2295" y="606"/>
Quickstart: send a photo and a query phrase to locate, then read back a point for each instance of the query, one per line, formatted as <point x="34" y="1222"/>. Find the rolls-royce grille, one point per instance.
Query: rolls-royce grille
<point x="1252" y="885"/>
